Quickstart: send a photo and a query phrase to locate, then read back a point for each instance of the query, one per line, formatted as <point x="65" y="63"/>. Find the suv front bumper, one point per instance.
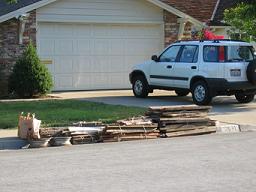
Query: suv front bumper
<point x="217" y="85"/>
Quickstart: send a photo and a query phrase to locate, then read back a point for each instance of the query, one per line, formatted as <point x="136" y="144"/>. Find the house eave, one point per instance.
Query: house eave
<point x="26" y="9"/>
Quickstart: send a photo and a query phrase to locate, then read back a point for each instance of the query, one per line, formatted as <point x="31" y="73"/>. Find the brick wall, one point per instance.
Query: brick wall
<point x="10" y="49"/>
<point x="171" y="28"/>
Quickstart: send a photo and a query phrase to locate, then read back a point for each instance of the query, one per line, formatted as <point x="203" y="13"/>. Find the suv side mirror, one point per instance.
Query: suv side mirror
<point x="155" y="58"/>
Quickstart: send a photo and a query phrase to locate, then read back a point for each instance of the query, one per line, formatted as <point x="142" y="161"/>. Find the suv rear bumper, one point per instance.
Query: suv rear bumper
<point x="223" y="86"/>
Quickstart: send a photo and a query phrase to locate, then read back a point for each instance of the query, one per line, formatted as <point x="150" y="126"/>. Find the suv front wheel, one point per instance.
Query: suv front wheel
<point x="140" y="87"/>
<point x="200" y="93"/>
<point x="244" y="98"/>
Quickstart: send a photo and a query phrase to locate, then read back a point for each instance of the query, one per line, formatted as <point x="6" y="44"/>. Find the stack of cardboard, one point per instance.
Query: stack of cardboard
<point x="129" y="130"/>
<point x="176" y="121"/>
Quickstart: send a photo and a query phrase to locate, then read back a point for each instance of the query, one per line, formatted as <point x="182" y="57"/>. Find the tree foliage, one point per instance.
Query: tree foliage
<point x="11" y="1"/>
<point x="29" y="76"/>
<point x="242" y="19"/>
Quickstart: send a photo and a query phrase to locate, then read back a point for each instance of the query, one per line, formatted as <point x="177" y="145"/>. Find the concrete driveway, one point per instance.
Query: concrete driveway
<point x="225" y="109"/>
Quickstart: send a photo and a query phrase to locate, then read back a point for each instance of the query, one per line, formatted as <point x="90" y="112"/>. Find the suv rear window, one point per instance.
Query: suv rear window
<point x="227" y="53"/>
<point x="211" y="53"/>
<point x="239" y="53"/>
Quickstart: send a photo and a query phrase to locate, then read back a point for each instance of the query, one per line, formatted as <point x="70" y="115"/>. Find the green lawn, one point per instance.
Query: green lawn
<point x="64" y="112"/>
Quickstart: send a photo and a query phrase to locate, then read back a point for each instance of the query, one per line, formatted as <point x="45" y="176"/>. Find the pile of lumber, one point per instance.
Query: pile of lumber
<point x="53" y="132"/>
<point x="131" y="129"/>
<point x="176" y="121"/>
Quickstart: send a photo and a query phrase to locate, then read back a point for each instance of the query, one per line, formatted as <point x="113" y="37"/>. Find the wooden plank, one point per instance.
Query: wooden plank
<point x="187" y="114"/>
<point x="192" y="132"/>
<point x="182" y="128"/>
<point x="179" y="108"/>
<point x="183" y="120"/>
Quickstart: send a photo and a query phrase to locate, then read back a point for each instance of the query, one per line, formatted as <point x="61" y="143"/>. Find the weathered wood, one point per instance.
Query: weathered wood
<point x="185" y="114"/>
<point x="179" y="108"/>
<point x="152" y="126"/>
<point x="205" y="130"/>
<point x="183" y="120"/>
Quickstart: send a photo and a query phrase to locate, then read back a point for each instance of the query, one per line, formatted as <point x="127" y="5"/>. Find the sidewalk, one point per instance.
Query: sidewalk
<point x="9" y="140"/>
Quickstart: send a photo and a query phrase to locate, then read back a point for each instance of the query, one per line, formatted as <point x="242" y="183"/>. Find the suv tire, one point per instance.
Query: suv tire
<point x="181" y="92"/>
<point x="140" y="87"/>
<point x="200" y="93"/>
<point x="251" y="72"/>
<point x="244" y="98"/>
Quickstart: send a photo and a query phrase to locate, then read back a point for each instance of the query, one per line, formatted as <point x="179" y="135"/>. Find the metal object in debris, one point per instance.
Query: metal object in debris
<point x="61" y="141"/>
<point x="44" y="142"/>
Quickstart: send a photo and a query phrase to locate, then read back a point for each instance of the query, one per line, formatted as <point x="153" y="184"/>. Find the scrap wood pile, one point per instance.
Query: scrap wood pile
<point x="80" y="133"/>
<point x="131" y="129"/>
<point x="176" y="121"/>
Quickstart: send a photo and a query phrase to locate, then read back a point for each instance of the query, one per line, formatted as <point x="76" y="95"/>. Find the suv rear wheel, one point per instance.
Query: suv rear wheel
<point x="244" y="98"/>
<point x="181" y="92"/>
<point x="140" y="87"/>
<point x="200" y="93"/>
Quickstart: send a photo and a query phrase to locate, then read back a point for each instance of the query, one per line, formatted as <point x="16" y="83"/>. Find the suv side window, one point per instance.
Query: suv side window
<point x="189" y="54"/>
<point x="170" y="54"/>
<point x="211" y="53"/>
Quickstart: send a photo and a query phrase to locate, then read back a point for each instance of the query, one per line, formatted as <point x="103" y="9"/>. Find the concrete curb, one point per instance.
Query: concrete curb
<point x="223" y="127"/>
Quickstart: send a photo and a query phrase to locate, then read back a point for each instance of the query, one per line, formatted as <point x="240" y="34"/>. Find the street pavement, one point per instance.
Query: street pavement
<point x="225" y="109"/>
<point x="211" y="163"/>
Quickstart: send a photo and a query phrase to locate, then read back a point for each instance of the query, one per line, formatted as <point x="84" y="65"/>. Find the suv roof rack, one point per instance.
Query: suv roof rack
<point x="214" y="40"/>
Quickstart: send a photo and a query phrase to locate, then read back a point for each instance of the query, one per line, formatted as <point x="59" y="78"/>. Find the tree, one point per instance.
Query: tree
<point x="242" y="20"/>
<point x="29" y="76"/>
<point x="11" y="1"/>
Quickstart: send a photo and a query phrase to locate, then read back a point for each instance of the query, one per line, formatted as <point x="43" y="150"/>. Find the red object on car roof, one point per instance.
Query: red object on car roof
<point x="208" y="35"/>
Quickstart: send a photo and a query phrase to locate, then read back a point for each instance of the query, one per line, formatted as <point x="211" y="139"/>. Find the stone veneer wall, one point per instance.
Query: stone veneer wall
<point x="10" y="49"/>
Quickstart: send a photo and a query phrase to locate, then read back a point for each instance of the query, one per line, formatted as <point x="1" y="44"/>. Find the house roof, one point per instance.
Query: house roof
<point x="201" y="10"/>
<point x="218" y="17"/>
<point x="6" y="8"/>
<point x="188" y="9"/>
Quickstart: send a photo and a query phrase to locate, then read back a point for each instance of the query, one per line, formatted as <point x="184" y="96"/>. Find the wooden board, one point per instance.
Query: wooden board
<point x="179" y="108"/>
<point x="205" y="130"/>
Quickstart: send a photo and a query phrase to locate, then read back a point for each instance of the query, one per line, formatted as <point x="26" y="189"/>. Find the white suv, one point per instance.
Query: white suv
<point x="204" y="68"/>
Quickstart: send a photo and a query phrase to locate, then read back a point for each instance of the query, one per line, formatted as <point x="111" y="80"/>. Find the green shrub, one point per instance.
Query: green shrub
<point x="29" y="76"/>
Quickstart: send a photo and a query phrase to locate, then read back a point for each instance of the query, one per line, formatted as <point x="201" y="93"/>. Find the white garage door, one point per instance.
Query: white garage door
<point x="96" y="56"/>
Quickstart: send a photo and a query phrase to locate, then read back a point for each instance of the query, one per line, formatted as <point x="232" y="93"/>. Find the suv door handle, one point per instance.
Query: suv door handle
<point x="168" y="66"/>
<point x="193" y="67"/>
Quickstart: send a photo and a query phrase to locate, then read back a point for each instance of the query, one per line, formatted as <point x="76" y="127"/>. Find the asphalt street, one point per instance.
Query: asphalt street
<point x="211" y="163"/>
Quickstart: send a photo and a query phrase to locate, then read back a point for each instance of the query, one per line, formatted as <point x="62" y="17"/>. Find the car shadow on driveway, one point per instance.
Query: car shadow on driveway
<point x="225" y="108"/>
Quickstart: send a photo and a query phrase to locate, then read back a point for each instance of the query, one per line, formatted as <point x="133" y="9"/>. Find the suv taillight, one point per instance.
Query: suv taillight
<point x="221" y="54"/>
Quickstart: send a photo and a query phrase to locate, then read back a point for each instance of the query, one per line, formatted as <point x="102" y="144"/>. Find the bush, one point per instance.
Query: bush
<point x="29" y="76"/>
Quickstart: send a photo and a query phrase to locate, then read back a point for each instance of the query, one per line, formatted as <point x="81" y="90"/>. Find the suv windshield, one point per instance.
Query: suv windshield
<point x="239" y="53"/>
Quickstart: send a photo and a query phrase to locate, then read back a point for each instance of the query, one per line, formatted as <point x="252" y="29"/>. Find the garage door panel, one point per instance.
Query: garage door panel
<point x="83" y="31"/>
<point x="63" y="82"/>
<point x="101" y="47"/>
<point x="63" y="65"/>
<point x="82" y="47"/>
<point x="46" y="47"/>
<point x="82" y="64"/>
<point x="63" y="47"/>
<point x="96" y="56"/>
<point x="117" y="47"/>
